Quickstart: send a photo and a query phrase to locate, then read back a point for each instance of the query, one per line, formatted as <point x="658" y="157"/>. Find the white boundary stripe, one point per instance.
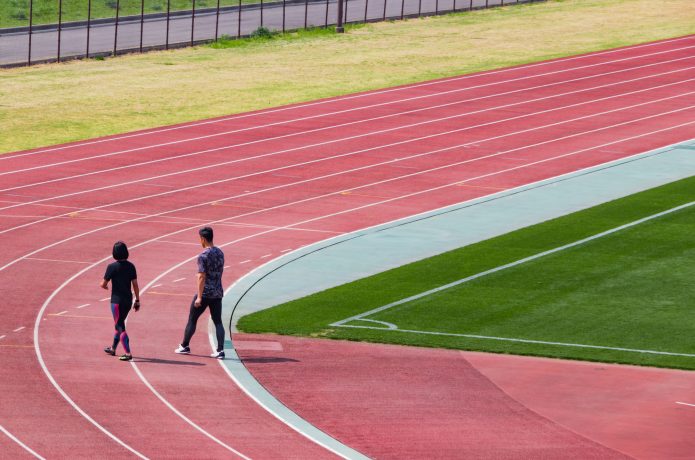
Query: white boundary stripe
<point x="55" y="384"/>
<point x="19" y="329"/>
<point x="361" y="316"/>
<point x="24" y="446"/>
<point x="421" y="109"/>
<point x="357" y="152"/>
<point x="76" y="275"/>
<point x="357" y="96"/>
<point x="380" y="182"/>
<point x="539" y="342"/>
<point x="177" y="412"/>
<point x="685" y="404"/>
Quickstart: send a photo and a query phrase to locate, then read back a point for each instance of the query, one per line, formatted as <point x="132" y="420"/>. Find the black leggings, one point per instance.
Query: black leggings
<point x="215" y="306"/>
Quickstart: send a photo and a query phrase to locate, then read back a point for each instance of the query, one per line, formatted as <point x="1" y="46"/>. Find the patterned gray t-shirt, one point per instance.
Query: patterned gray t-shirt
<point x="211" y="262"/>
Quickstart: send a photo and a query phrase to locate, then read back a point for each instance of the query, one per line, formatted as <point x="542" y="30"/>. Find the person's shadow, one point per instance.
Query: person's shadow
<point x="140" y="359"/>
<point x="269" y="360"/>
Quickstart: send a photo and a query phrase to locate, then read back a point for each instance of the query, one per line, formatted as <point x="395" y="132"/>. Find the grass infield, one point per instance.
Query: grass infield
<point x="632" y="289"/>
<point x="59" y="103"/>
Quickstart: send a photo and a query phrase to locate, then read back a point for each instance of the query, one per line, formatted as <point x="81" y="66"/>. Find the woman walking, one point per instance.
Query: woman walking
<point x="122" y="275"/>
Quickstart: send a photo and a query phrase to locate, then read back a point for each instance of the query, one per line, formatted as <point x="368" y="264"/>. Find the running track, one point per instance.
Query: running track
<point x="269" y="181"/>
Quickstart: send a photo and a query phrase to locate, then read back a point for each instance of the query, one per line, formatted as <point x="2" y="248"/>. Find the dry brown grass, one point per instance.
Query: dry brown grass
<point x="63" y="102"/>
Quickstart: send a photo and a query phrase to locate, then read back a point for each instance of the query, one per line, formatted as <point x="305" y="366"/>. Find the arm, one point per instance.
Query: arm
<point x="201" y="285"/>
<point x="136" y="290"/>
<point x="104" y="284"/>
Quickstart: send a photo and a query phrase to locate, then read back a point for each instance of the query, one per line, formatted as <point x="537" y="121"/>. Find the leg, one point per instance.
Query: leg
<point x="216" y="315"/>
<point x="116" y="319"/>
<point x="120" y="329"/>
<point x="193" y="315"/>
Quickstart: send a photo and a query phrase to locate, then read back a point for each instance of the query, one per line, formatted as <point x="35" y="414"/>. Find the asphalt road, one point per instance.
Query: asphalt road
<point x="14" y="47"/>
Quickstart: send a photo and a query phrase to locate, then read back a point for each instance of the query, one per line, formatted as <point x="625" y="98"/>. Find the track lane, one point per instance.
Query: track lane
<point x="586" y="69"/>
<point x="136" y="233"/>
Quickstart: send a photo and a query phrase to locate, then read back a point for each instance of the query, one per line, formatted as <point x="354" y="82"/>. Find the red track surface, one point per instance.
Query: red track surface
<point x="270" y="181"/>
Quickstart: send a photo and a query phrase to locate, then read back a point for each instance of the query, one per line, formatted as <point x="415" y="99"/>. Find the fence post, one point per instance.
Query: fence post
<point x="419" y="8"/>
<point x="168" y="15"/>
<point x="115" y="37"/>
<point x="192" y="22"/>
<point x="436" y="7"/>
<point x="31" y="27"/>
<point x="142" y="21"/>
<point x="89" y="23"/>
<point x="403" y="8"/>
<point x="326" y="23"/>
<point x="383" y="17"/>
<point x="306" y="13"/>
<point x="470" y="6"/>
<point x="366" y="5"/>
<point x="217" y="21"/>
<point x="238" y="32"/>
<point x="345" y="14"/>
<point x="284" y="7"/>
<point x="261" y="13"/>
<point x="339" y="27"/>
<point x="60" y="24"/>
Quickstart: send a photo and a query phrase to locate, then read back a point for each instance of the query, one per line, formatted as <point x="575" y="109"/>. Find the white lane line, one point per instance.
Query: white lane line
<point x="286" y="250"/>
<point x="58" y="260"/>
<point x="266" y="256"/>
<point x="685" y="404"/>
<point x="156" y="285"/>
<point x="367" y="150"/>
<point x="182" y="416"/>
<point x="362" y="316"/>
<point x="76" y="275"/>
<point x="390" y="90"/>
<point x="83" y="306"/>
<point x="244" y="261"/>
<point x="177" y="280"/>
<point x="539" y="342"/>
<point x="226" y="267"/>
<point x="387" y="180"/>
<point x="19" y="329"/>
<point x="179" y="242"/>
<point x="61" y="313"/>
<point x="104" y="299"/>
<point x="458" y="102"/>
<point x="20" y="443"/>
<point x="2" y="337"/>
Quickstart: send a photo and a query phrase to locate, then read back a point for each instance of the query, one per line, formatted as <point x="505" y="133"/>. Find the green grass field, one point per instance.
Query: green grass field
<point x="15" y="13"/>
<point x="632" y="289"/>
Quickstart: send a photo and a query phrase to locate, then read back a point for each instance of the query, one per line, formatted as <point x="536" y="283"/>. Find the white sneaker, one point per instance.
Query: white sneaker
<point x="183" y="350"/>
<point x="218" y="354"/>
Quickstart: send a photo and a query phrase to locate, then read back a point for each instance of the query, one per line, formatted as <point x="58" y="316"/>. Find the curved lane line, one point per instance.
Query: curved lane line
<point x="207" y="184"/>
<point x="384" y="181"/>
<point x="134" y="165"/>
<point x="20" y="443"/>
<point x="33" y="168"/>
<point x="356" y="96"/>
<point x="48" y="300"/>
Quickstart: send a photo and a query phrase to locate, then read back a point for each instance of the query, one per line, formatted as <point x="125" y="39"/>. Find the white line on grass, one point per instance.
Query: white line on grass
<point x="362" y="316"/>
<point x="508" y="339"/>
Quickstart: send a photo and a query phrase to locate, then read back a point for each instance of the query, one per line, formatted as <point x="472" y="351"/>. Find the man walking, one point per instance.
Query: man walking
<point x="210" y="267"/>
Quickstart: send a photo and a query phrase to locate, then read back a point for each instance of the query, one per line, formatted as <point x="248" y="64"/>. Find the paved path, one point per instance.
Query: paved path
<point x="14" y="47"/>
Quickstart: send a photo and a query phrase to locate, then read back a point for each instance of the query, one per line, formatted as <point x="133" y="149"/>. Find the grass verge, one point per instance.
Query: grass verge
<point x="632" y="289"/>
<point x="58" y="103"/>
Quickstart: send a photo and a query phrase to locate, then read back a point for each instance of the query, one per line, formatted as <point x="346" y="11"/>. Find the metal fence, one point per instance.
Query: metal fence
<point x="39" y="31"/>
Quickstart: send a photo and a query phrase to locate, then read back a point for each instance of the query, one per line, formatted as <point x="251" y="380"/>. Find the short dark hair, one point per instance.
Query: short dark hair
<point x="120" y="251"/>
<point x="206" y="232"/>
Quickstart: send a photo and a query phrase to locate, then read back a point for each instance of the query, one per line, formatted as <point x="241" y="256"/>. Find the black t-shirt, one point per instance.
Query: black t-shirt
<point x="121" y="273"/>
